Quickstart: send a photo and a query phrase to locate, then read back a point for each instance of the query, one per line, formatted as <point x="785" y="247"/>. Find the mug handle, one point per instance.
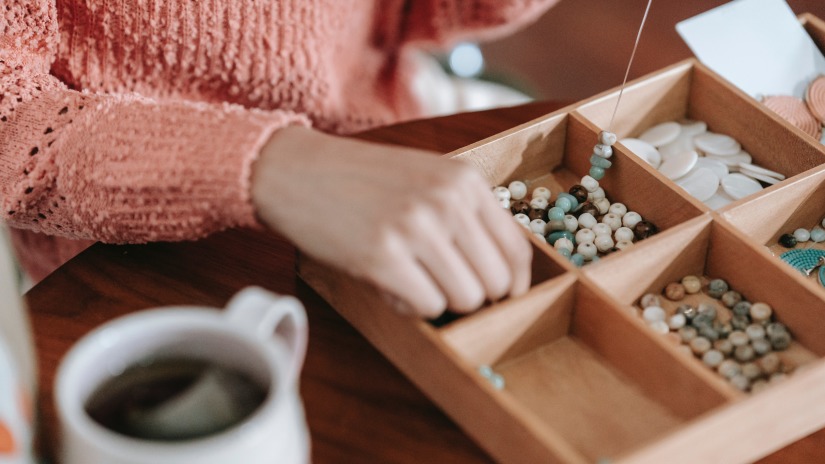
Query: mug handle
<point x="267" y="315"/>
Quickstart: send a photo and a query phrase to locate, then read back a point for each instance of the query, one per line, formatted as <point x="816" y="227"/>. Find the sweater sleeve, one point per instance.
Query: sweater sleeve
<point x="115" y="167"/>
<point x="445" y="21"/>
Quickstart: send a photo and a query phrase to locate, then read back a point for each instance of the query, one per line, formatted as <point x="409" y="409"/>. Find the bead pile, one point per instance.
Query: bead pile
<point x="711" y="167"/>
<point x="737" y="339"/>
<point x="583" y="219"/>
<point x="802" y="235"/>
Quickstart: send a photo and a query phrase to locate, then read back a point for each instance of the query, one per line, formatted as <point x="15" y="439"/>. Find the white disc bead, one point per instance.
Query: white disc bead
<point x="539" y="203"/>
<point x="602" y="229"/>
<point x="571" y="223"/>
<point x="603" y="243"/>
<point x="585" y="236"/>
<point x="613" y="220"/>
<point x="587" y="220"/>
<point x="538" y="226"/>
<point x="623" y="234"/>
<point x="631" y="218"/>
<point x="522" y="219"/>
<point x="518" y="190"/>
<point x="588" y="250"/>
<point x="501" y="193"/>
<point x="619" y="209"/>
<point x="541" y="192"/>
<point x="563" y="243"/>
<point x="590" y="184"/>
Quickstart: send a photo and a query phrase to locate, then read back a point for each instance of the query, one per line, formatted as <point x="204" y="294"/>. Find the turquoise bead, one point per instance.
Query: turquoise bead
<point x="564" y="203"/>
<point x="553" y="236"/>
<point x="596" y="172"/>
<point x="577" y="260"/>
<point x="555" y="214"/>
<point x="564" y="252"/>
<point x="574" y="202"/>
<point x="598" y="161"/>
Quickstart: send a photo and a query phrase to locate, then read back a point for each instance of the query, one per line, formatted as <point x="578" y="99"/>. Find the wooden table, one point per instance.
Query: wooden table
<point x="359" y="407"/>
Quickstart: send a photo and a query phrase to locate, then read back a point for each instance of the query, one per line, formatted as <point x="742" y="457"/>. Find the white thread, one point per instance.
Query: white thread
<point x="627" y="71"/>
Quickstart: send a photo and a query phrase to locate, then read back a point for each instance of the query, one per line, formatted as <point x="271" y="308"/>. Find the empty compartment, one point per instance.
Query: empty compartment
<point x="582" y="371"/>
<point x="690" y="91"/>
<point x="554" y="152"/>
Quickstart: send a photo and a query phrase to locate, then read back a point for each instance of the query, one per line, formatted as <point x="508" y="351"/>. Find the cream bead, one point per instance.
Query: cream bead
<point x="504" y="204"/>
<point x="623" y="234"/>
<point x="603" y="204"/>
<point x="604" y="243"/>
<point x="541" y="237"/>
<point x="598" y="194"/>
<point x="586" y="221"/>
<point x="539" y="203"/>
<point x="613" y="221"/>
<point x="619" y="209"/>
<point x="538" y="226"/>
<point x="501" y="193"/>
<point x="602" y="229"/>
<point x="518" y="189"/>
<point x="542" y="192"/>
<point x="522" y="219"/>
<point x="589" y="183"/>
<point x="653" y="314"/>
<point x="631" y="218"/>
<point x="605" y="151"/>
<point x="563" y="243"/>
<point x="585" y="236"/>
<point x="607" y="138"/>
<point x="624" y="244"/>
<point x="571" y="223"/>
<point x="588" y="250"/>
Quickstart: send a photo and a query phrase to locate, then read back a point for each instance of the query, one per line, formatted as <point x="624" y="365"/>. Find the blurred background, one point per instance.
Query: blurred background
<point x="580" y="47"/>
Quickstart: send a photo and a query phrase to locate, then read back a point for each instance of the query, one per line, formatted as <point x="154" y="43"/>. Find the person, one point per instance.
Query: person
<point x="131" y="122"/>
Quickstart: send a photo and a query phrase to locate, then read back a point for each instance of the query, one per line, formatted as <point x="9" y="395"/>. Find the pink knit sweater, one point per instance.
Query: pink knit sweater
<point x="134" y="121"/>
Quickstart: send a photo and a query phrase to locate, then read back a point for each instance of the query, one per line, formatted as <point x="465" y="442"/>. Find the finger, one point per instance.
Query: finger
<point x="514" y="246"/>
<point x="485" y="257"/>
<point x="405" y="278"/>
<point x="451" y="272"/>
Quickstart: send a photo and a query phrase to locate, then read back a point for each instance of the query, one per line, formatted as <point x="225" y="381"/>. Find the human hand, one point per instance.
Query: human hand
<point x="425" y="229"/>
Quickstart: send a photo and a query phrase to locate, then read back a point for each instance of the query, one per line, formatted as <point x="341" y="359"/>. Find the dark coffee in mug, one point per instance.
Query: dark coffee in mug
<point x="175" y="399"/>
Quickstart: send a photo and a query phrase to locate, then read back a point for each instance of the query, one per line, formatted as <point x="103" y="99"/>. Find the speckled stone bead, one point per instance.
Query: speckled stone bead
<point x="742" y="308"/>
<point x="730" y="298"/>
<point x="801" y="235"/>
<point x="555" y="214"/>
<point x="603" y="205"/>
<point x="598" y="162"/>
<point x="744" y="353"/>
<point x="501" y="193"/>
<point x="542" y="192"/>
<point x="612" y="220"/>
<point x="770" y="363"/>
<point x="707" y="309"/>
<point x="688" y="310"/>
<point x="692" y="284"/>
<point x="712" y="358"/>
<point x="755" y="331"/>
<point x="787" y="240"/>
<point x="587" y="220"/>
<point x="605" y="151"/>
<point x="589" y="208"/>
<point x="818" y="234"/>
<point x="603" y="243"/>
<point x="709" y="332"/>
<point x="702" y="320"/>
<point x="522" y="219"/>
<point x="577" y="260"/>
<point x="571" y="223"/>
<point x="518" y="189"/>
<point x="751" y="370"/>
<point x="650" y="299"/>
<point x="619" y="209"/>
<point x="564" y="243"/>
<point x="607" y="138"/>
<point x="602" y="229"/>
<point x="739" y="338"/>
<point x="674" y="291"/>
<point x="781" y="341"/>
<point x="740" y="382"/>
<point x="761" y="346"/>
<point x="579" y="192"/>
<point x="729" y="369"/>
<point x="588" y="250"/>
<point x="775" y="328"/>
<point x="555" y="235"/>
<point x="688" y="333"/>
<point x="740" y="322"/>
<point x="677" y="321"/>
<point x="537" y="213"/>
<point x="520" y="207"/>
<point x="760" y="312"/>
<point x="653" y="313"/>
<point x="538" y="226"/>
<point x="700" y="345"/>
<point x="623" y="233"/>
<point x="630" y="219"/>
<point x="589" y="183"/>
<point x="644" y="229"/>
<point x="724" y="346"/>
<point x="717" y="288"/>
<point x="539" y="203"/>
<point x="598" y="194"/>
<point x="724" y="329"/>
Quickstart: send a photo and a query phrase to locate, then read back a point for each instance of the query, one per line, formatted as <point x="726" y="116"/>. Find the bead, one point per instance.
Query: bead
<point x="536" y="213"/>
<point x="761" y="346"/>
<point x="565" y="204"/>
<point x="603" y="243"/>
<point x="612" y="220"/>
<point x="542" y="192"/>
<point x="603" y="204"/>
<point x="520" y="207"/>
<point x="589" y="208"/>
<point x="577" y="260"/>
<point x="659" y="327"/>
<point x="677" y="321"/>
<point x="553" y="236"/>
<point x="607" y="138"/>
<point x="743" y="353"/>
<point x="675" y="291"/>
<point x="630" y="219"/>
<point x="588" y="250"/>
<point x="700" y="345"/>
<point x="564" y="243"/>
<point x="565" y="252"/>
<point x="623" y="233"/>
<point x="596" y="172"/>
<point x="540" y="237"/>
<point x="573" y="201"/>
<point x="599" y="162"/>
<point x="781" y="341"/>
<point x="730" y="298"/>
<point x="605" y="151"/>
<point x="518" y="189"/>
<point x="724" y="329"/>
<point x="760" y="312"/>
<point x="724" y="346"/>
<point x="729" y="368"/>
<point x="644" y="229"/>
<point x="602" y="229"/>
<point x="579" y="192"/>
<point x="688" y="310"/>
<point x="709" y="332"/>
<point x="653" y="314"/>
<point x="501" y="193"/>
<point x="755" y="331"/>
<point x="740" y="382"/>
<point x="740" y="322"/>
<point x="775" y="328"/>
<point x="498" y="381"/>
<point x="713" y="358"/>
<point x="692" y="284"/>
<point x="570" y="223"/>
<point x="688" y="333"/>
<point x="522" y="219"/>
<point x="739" y="338"/>
<point x="623" y="245"/>
<point x="742" y="308"/>
<point x="539" y="203"/>
<point x="818" y="234"/>
<point x="770" y="363"/>
<point x="555" y="214"/>
<point x="801" y="235"/>
<point x="505" y="204"/>
<point x="787" y="240"/>
<point x="538" y="226"/>
<point x="585" y="236"/>
<point x="702" y="320"/>
<point x="589" y="183"/>
<point x="717" y="288"/>
<point x="619" y="209"/>
<point x="596" y="195"/>
<point x="587" y="221"/>
<point x="650" y="299"/>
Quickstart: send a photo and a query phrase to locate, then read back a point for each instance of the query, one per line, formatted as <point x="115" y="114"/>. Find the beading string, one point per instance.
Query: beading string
<point x="627" y="71"/>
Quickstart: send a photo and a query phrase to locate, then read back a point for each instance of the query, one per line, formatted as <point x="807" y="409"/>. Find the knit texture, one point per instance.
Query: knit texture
<point x="138" y="121"/>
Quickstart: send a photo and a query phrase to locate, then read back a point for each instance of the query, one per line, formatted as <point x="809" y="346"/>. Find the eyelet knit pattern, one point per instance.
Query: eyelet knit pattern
<point x="139" y="121"/>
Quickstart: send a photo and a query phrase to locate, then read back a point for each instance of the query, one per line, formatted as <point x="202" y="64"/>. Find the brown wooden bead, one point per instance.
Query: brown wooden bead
<point x="520" y="207"/>
<point x="644" y="229"/>
<point x="588" y="208"/>
<point x="536" y="213"/>
<point x="675" y="291"/>
<point x="579" y="192"/>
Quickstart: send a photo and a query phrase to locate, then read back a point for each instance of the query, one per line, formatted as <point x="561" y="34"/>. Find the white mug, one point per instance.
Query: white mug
<point x="260" y="334"/>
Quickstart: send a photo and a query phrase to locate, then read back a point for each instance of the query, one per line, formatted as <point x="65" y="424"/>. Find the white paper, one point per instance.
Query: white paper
<point x="758" y="45"/>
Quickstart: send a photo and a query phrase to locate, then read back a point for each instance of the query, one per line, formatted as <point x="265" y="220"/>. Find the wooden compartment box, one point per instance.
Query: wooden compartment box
<point x="586" y="380"/>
